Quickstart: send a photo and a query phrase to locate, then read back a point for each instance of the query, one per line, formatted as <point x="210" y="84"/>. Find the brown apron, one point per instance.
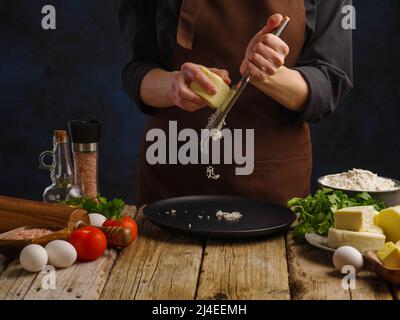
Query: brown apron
<point x="215" y="33"/>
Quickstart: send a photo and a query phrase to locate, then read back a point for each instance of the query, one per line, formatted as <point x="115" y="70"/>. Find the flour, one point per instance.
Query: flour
<point x="359" y="180"/>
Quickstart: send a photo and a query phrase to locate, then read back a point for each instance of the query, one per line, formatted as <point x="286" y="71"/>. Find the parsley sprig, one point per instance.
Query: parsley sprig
<point x="316" y="213"/>
<point x="110" y="209"/>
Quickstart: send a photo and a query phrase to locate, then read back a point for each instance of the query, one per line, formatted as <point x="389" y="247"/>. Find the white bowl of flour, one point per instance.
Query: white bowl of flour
<point x="358" y="180"/>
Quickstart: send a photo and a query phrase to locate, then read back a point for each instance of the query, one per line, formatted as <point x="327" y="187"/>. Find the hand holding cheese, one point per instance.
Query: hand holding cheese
<point x="205" y="83"/>
<point x="164" y="89"/>
<point x="214" y="100"/>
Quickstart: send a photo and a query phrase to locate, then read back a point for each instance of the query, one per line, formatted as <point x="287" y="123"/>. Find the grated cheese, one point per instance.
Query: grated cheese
<point x="228" y="216"/>
<point x="216" y="134"/>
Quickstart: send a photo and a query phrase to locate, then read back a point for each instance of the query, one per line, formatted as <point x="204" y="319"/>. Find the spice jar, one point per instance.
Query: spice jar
<point x="85" y="136"/>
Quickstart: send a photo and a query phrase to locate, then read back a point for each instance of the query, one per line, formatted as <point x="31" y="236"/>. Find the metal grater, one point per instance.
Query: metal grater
<point x="217" y="120"/>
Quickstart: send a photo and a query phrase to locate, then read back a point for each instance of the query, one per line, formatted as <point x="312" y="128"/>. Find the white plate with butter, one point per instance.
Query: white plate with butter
<point x="362" y="241"/>
<point x="318" y="241"/>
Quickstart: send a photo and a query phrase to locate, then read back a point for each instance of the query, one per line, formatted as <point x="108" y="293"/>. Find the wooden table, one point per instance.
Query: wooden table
<point x="163" y="265"/>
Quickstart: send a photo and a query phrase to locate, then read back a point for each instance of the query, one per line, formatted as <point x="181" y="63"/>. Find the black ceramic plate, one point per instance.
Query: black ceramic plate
<point x="196" y="215"/>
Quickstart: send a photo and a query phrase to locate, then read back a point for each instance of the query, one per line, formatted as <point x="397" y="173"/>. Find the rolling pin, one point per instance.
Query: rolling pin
<point x="16" y="213"/>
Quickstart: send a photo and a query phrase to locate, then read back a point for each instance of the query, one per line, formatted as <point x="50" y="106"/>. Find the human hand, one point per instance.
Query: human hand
<point x="180" y="91"/>
<point x="266" y="53"/>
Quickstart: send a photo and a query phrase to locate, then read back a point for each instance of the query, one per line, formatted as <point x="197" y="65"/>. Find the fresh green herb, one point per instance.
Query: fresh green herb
<point x="315" y="213"/>
<point x="110" y="209"/>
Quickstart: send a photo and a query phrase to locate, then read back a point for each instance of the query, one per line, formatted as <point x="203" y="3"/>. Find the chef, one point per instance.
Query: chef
<point x="297" y="79"/>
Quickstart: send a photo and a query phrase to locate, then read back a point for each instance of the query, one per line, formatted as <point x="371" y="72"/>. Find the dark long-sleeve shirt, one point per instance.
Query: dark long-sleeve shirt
<point x="149" y="29"/>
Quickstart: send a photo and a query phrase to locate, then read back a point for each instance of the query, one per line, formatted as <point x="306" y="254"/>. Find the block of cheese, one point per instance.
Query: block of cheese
<point x="360" y="219"/>
<point x="389" y="221"/>
<point x="223" y="89"/>
<point x="362" y="241"/>
<point x="390" y="255"/>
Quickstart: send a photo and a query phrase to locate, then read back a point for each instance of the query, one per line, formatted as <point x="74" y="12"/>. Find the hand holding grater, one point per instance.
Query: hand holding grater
<point x="217" y="121"/>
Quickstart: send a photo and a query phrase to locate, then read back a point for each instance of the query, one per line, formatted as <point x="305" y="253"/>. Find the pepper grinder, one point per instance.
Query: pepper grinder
<point x="85" y="136"/>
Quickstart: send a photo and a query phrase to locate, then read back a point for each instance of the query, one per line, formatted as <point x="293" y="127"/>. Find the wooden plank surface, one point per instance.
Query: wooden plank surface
<point x="396" y="292"/>
<point x="4" y="261"/>
<point x="245" y="270"/>
<point x="159" y="265"/>
<point x="163" y="265"/>
<point x="370" y="287"/>
<point x="15" y="282"/>
<point x="313" y="277"/>
<point x="311" y="274"/>
<point x="81" y="281"/>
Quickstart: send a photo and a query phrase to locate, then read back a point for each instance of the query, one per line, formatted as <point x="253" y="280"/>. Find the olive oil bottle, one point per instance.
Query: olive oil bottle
<point x="63" y="186"/>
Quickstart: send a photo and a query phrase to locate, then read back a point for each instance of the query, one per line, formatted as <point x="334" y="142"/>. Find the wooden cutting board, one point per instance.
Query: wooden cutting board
<point x="12" y="247"/>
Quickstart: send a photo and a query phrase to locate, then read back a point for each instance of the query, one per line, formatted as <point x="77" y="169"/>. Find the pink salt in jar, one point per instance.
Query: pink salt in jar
<point x="85" y="136"/>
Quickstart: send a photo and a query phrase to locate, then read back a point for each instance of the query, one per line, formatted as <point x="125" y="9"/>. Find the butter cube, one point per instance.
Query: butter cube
<point x="223" y="89"/>
<point x="389" y="221"/>
<point x="359" y="219"/>
<point x="390" y="255"/>
<point x="384" y="252"/>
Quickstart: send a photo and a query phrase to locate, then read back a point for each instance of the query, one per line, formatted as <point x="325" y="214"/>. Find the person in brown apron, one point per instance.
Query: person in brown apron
<point x="216" y="34"/>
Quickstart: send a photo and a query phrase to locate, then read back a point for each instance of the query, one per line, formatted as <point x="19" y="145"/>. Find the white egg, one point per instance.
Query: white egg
<point x="33" y="258"/>
<point x="97" y="219"/>
<point x="61" y="254"/>
<point x="348" y="256"/>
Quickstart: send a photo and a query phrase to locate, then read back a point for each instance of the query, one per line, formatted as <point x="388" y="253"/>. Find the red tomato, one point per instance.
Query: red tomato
<point x="89" y="242"/>
<point x="126" y="222"/>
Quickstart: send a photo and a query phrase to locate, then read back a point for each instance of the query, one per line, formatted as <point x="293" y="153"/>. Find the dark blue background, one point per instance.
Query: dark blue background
<point x="50" y="77"/>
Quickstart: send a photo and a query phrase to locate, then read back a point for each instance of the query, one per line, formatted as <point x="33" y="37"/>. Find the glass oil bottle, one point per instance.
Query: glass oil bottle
<point x="63" y="186"/>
